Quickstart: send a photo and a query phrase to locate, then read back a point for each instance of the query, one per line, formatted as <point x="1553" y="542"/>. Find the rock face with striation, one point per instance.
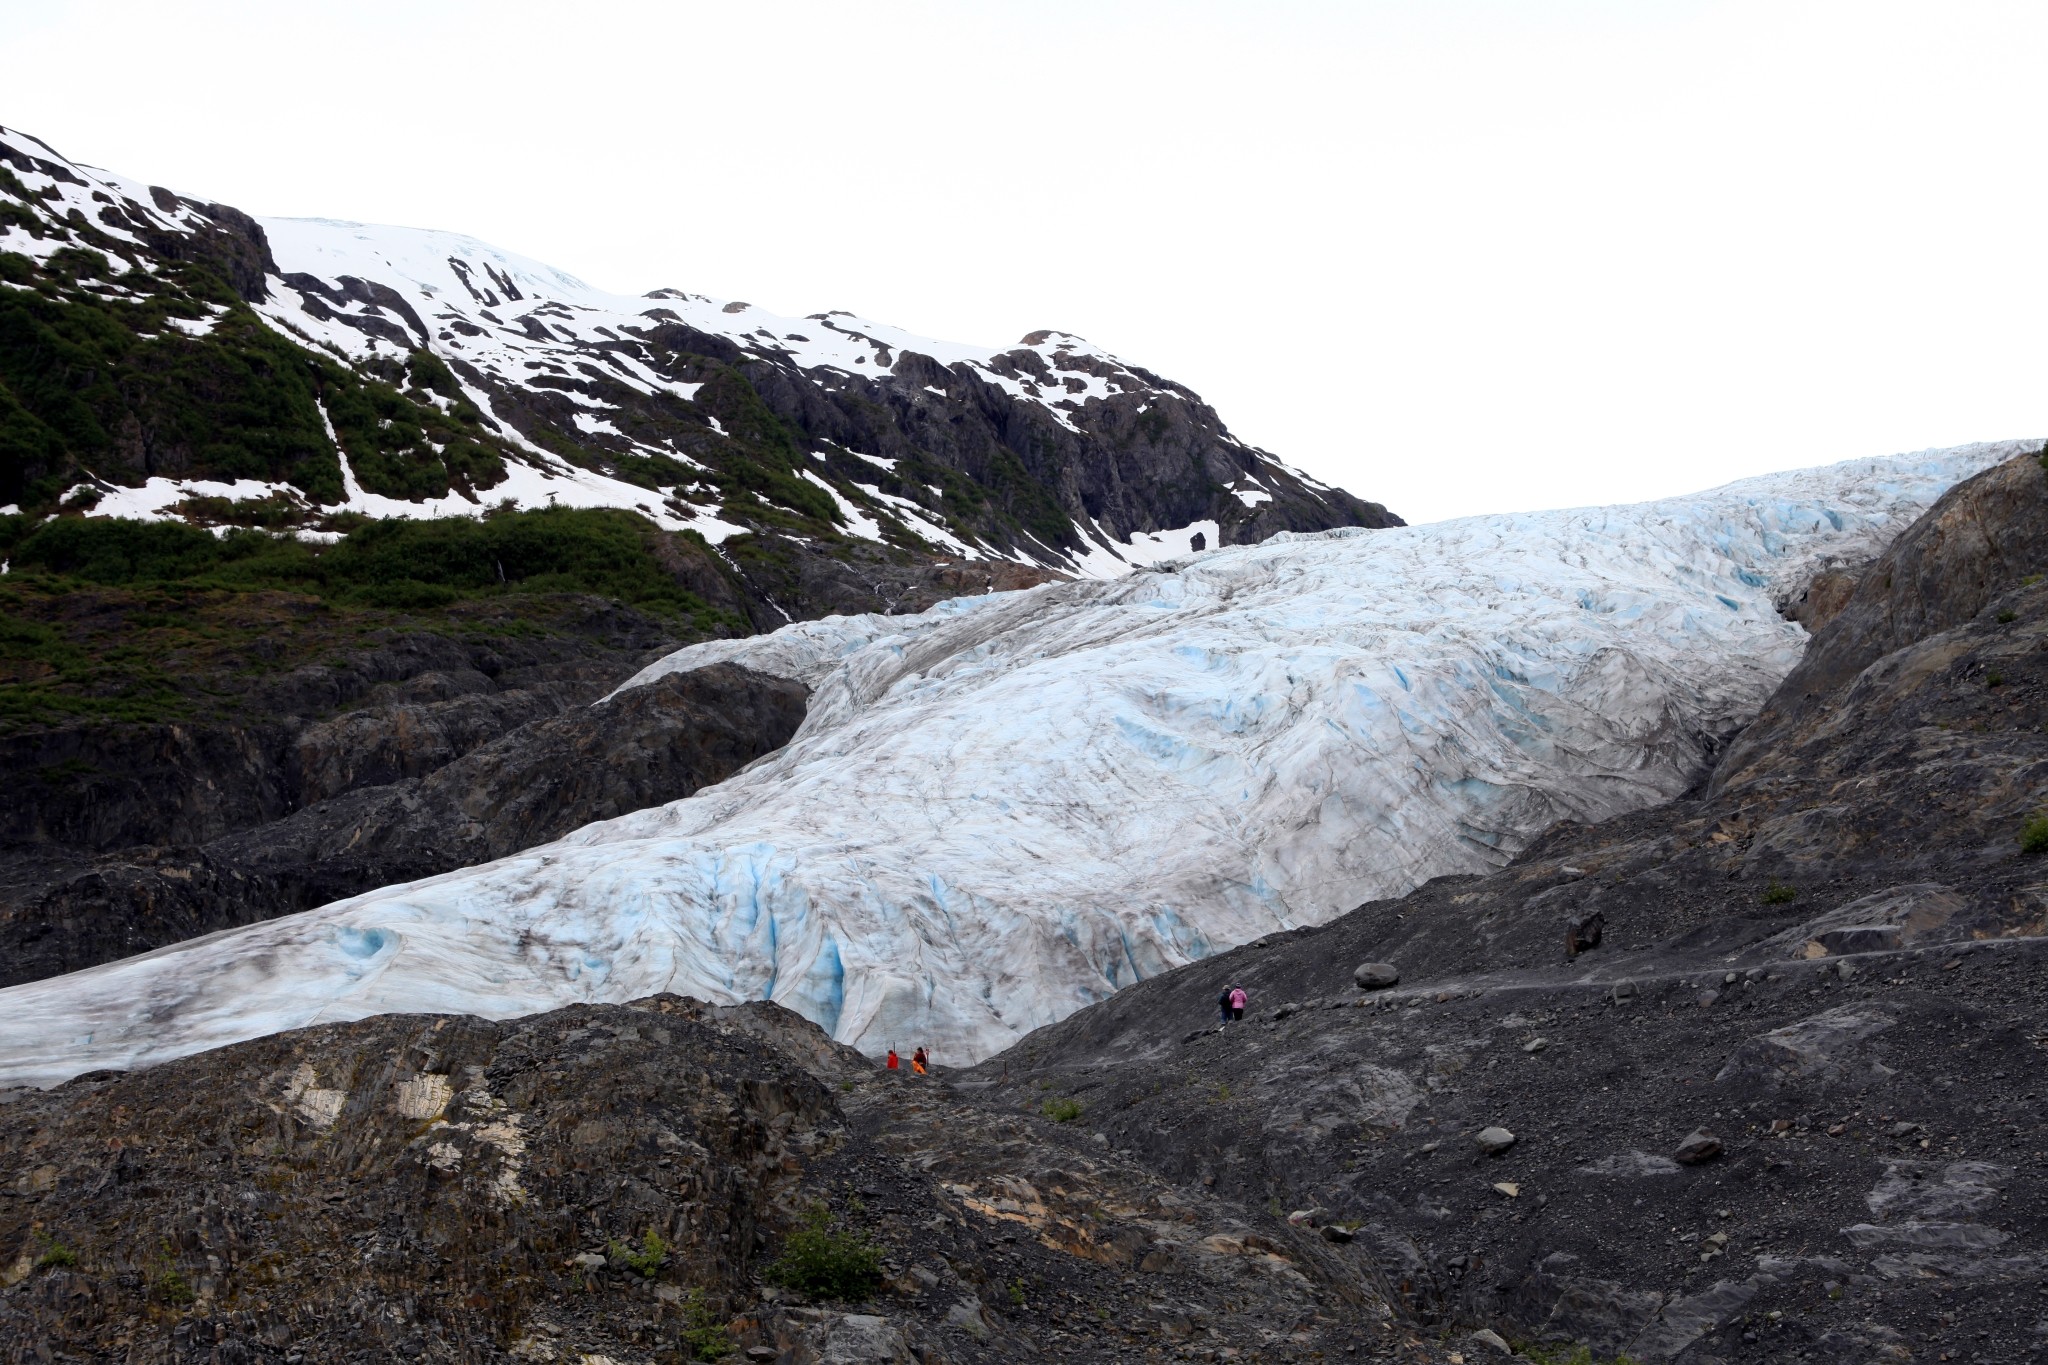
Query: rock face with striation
<point x="533" y="783"/>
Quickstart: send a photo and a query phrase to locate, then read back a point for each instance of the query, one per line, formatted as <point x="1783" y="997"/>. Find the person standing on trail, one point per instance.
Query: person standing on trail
<point x="1223" y="1006"/>
<point x="917" y="1061"/>
<point x="1238" y="1000"/>
<point x="894" y="1065"/>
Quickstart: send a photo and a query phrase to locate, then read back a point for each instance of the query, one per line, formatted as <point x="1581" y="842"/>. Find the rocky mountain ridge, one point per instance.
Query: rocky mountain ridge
<point x="176" y="358"/>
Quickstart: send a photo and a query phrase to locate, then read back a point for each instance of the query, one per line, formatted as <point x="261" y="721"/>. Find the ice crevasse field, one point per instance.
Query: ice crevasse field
<point x="1009" y="806"/>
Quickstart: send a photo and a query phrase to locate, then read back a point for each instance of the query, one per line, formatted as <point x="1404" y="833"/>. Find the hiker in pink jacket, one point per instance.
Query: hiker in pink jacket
<point x="1238" y="1000"/>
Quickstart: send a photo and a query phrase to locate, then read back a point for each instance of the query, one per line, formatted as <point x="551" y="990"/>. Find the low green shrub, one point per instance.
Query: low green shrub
<point x="1060" y="1109"/>
<point x="821" y="1260"/>
<point x="2034" y="835"/>
<point x="1777" y="893"/>
<point x="1564" y="1354"/>
<point x="644" y="1261"/>
<point x="703" y="1336"/>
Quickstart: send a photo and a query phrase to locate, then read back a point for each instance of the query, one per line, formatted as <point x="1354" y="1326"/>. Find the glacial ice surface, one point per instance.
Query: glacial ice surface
<point x="1009" y="806"/>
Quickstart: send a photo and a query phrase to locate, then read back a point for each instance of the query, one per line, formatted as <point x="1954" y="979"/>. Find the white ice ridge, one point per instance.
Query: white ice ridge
<point x="1009" y="806"/>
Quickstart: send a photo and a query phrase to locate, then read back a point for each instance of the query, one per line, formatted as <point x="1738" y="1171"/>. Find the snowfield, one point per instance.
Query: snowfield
<point x="1008" y="807"/>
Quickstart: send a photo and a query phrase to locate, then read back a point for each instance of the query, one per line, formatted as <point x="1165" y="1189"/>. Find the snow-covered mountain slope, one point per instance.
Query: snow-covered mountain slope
<point x="507" y="324"/>
<point x="1007" y="807"/>
<point x="448" y="377"/>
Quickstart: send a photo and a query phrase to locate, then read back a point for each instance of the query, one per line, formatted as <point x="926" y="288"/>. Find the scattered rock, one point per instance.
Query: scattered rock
<point x="1582" y="935"/>
<point x="1698" y="1146"/>
<point x="1494" y="1140"/>
<point x="1630" y="1165"/>
<point x="1860" y="938"/>
<point x="1487" y="1337"/>
<point x="1508" y="1188"/>
<point x="1536" y="1045"/>
<point x="1338" y="1235"/>
<point x="1376" y="976"/>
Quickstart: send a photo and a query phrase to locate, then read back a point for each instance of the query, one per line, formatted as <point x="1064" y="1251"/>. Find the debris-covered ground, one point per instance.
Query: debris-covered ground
<point x="1821" y="978"/>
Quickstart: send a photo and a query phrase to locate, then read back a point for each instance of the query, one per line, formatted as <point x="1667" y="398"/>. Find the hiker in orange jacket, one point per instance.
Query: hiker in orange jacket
<point x="892" y="1063"/>
<point x="917" y="1061"/>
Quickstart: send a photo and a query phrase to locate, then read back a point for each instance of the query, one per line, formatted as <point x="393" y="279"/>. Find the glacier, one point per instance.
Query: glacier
<point x="1009" y="806"/>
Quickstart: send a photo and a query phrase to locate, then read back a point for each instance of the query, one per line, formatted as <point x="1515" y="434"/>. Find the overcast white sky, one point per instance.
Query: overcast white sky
<point x="1455" y="255"/>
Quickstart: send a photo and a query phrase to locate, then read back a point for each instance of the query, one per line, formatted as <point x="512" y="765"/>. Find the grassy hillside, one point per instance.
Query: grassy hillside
<point x="147" y="621"/>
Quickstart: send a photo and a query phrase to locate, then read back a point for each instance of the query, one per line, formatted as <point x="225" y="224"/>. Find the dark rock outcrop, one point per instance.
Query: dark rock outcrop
<point x="614" y="1183"/>
<point x="434" y="811"/>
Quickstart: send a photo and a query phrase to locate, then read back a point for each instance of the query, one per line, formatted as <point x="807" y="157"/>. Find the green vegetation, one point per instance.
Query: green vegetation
<point x="110" y="619"/>
<point x="646" y="1260"/>
<point x="1994" y="680"/>
<point x="600" y="551"/>
<point x="112" y="370"/>
<point x="821" y="1260"/>
<point x="55" y="1254"/>
<point x="169" y="1287"/>
<point x="1777" y="893"/>
<point x="1017" y="1292"/>
<point x="703" y="1337"/>
<point x="2006" y="618"/>
<point x="1061" y="1109"/>
<point x="1565" y="1354"/>
<point x="165" y="1284"/>
<point x="2034" y="835"/>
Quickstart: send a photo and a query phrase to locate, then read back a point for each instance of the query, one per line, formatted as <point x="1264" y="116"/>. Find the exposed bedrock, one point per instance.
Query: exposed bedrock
<point x="408" y="808"/>
<point x="616" y="1182"/>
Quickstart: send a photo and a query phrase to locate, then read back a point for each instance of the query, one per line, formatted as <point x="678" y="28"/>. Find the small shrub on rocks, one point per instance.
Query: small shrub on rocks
<point x="646" y="1260"/>
<point x="1563" y="1354"/>
<point x="703" y="1335"/>
<point x="1062" y="1110"/>
<point x="2034" y="835"/>
<point x="56" y="1254"/>
<point x="1777" y="893"/>
<point x="817" y="1259"/>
